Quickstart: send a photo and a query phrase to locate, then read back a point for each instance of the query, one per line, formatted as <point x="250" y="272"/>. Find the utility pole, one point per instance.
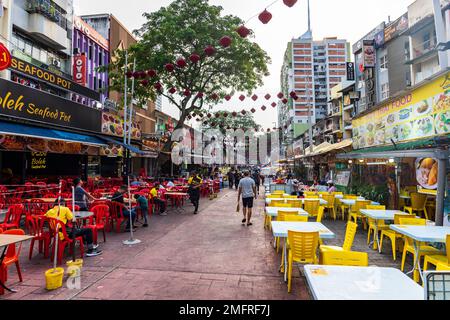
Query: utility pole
<point x="125" y="110"/>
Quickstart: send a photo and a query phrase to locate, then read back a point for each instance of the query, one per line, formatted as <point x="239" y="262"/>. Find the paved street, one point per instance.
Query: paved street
<point x="182" y="256"/>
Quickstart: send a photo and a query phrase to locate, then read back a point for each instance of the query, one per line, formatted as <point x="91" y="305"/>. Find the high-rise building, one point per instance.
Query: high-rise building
<point x="311" y="69"/>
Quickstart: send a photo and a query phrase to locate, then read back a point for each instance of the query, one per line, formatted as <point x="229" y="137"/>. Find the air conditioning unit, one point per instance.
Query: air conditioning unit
<point x="56" y="63"/>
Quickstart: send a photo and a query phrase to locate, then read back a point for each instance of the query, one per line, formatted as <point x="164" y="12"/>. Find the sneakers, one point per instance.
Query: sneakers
<point x="95" y="246"/>
<point x="163" y="214"/>
<point x="93" y="253"/>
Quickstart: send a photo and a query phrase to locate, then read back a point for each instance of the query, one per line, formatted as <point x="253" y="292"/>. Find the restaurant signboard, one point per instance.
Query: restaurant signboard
<point x="5" y="57"/>
<point x="112" y="124"/>
<point x="23" y="102"/>
<point x="422" y="113"/>
<point x="396" y="28"/>
<point x="38" y="160"/>
<point x="51" y="78"/>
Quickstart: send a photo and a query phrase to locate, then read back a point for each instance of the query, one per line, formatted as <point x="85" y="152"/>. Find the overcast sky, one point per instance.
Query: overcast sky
<point x="345" y="19"/>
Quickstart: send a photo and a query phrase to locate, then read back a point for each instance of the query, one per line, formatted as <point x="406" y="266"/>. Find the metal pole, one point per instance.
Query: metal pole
<point x="131" y="107"/>
<point x="440" y="33"/>
<point x="125" y="108"/>
<point x="130" y="241"/>
<point x="442" y="177"/>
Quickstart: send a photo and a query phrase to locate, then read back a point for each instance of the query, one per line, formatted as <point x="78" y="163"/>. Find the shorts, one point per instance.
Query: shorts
<point x="247" y="202"/>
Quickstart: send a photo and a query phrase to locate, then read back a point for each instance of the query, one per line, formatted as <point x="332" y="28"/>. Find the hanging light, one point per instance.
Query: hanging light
<point x="285" y="101"/>
<point x="151" y="73"/>
<point x="234" y="113"/>
<point x="214" y="96"/>
<point x="200" y="95"/>
<point x="225" y="41"/>
<point x="181" y="63"/>
<point x="290" y="3"/>
<point x="143" y="74"/>
<point x="194" y="58"/>
<point x="210" y="50"/>
<point x="243" y="31"/>
<point x="169" y="67"/>
<point x="136" y="74"/>
<point x="244" y="112"/>
<point x="225" y="114"/>
<point x="265" y="16"/>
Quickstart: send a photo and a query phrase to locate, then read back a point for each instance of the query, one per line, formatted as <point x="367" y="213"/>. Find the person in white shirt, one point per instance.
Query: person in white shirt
<point x="170" y="184"/>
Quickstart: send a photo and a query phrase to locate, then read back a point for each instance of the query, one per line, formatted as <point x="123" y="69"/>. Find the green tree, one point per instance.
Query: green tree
<point x="184" y="28"/>
<point x="223" y="123"/>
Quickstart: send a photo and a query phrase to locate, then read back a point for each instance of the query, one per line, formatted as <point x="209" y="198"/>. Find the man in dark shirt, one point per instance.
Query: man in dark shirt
<point x="142" y="204"/>
<point x="118" y="197"/>
<point x="81" y="195"/>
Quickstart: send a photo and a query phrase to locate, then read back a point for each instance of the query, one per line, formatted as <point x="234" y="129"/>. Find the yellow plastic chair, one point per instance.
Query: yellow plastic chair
<point x="350" y="233"/>
<point x="296" y="218"/>
<point x="272" y="196"/>
<point x="320" y="214"/>
<point x="409" y="246"/>
<point x="290" y="197"/>
<point x="331" y="203"/>
<point x="302" y="248"/>
<point x="355" y="213"/>
<point x="322" y="193"/>
<point x="312" y="207"/>
<point x="350" y="196"/>
<point x="311" y="194"/>
<point x="344" y="258"/>
<point x="392" y="235"/>
<point x="338" y="193"/>
<point x="280" y="204"/>
<point x="373" y="223"/>
<point x="345" y="207"/>
<point x="418" y="204"/>
<point x="278" y="192"/>
<point x="439" y="260"/>
<point x="295" y="203"/>
<point x="282" y="216"/>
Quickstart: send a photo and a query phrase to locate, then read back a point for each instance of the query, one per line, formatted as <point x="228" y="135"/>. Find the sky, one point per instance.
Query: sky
<point x="345" y="19"/>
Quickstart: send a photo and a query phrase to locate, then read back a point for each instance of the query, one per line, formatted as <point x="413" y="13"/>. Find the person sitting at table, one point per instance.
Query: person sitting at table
<point x="81" y="195"/>
<point x="154" y="193"/>
<point x="118" y="197"/>
<point x="63" y="214"/>
<point x="331" y="187"/>
<point x="142" y="204"/>
<point x="136" y="183"/>
<point x="170" y="184"/>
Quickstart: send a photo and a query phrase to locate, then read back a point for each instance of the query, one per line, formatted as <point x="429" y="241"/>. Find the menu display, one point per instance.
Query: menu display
<point x="113" y="125"/>
<point x="423" y="113"/>
<point x="427" y="173"/>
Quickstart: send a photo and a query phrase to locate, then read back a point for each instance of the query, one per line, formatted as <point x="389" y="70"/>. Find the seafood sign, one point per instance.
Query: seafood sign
<point x="422" y="113"/>
<point x="26" y="103"/>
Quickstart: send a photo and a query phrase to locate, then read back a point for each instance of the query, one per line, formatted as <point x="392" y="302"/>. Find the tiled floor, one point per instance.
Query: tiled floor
<point x="185" y="256"/>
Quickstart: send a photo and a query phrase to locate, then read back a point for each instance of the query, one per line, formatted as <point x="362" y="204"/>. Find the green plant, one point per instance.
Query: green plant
<point x="377" y="193"/>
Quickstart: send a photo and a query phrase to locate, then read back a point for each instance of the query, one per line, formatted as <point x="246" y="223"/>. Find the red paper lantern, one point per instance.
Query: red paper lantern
<point x="181" y="63"/>
<point x="213" y="124"/>
<point x="285" y="126"/>
<point x="151" y="73"/>
<point x="285" y="101"/>
<point x="143" y="74"/>
<point x="280" y="95"/>
<point x="253" y="110"/>
<point x="244" y="112"/>
<point x="169" y="67"/>
<point x="198" y="120"/>
<point x="228" y="97"/>
<point x="292" y="94"/>
<point x="172" y="90"/>
<point x="210" y="50"/>
<point x="290" y="3"/>
<point x="263" y="108"/>
<point x="158" y="86"/>
<point x="187" y="93"/>
<point x="214" y="96"/>
<point x="265" y="16"/>
<point x="129" y="74"/>
<point x="361" y="67"/>
<point x="234" y="114"/>
<point x="242" y="98"/>
<point x="225" y="41"/>
<point x="268" y="130"/>
<point x="136" y="75"/>
<point x="200" y="95"/>
<point x="255" y="97"/>
<point x="267" y="96"/>
<point x="243" y="31"/>
<point x="194" y="58"/>
<point x="225" y="114"/>
<point x="144" y="83"/>
<point x="274" y="104"/>
<point x="209" y="115"/>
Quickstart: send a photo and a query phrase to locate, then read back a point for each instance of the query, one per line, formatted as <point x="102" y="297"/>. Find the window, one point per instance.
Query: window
<point x="100" y="84"/>
<point x="100" y="58"/>
<point x="90" y="52"/>
<point x="384" y="62"/>
<point x="426" y="41"/>
<point x="95" y="83"/>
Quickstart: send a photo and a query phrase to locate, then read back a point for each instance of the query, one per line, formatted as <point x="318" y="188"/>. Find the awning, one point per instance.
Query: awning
<point x="49" y="134"/>
<point x="126" y="146"/>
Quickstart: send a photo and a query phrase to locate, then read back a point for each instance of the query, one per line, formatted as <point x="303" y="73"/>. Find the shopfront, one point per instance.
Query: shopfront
<point x="407" y="138"/>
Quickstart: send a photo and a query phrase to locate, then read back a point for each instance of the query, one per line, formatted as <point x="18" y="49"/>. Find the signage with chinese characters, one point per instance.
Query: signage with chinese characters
<point x="22" y="102"/>
<point x="5" y="57"/>
<point x="350" y="71"/>
<point x="79" y="69"/>
<point x="422" y="113"/>
<point x="38" y="160"/>
<point x="29" y="69"/>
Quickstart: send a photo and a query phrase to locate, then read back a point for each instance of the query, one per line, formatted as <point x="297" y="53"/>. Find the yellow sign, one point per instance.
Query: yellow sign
<point x="422" y="113"/>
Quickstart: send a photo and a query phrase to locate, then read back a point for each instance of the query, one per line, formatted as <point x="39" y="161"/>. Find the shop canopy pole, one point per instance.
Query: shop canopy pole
<point x="442" y="177"/>
<point x="125" y="105"/>
<point x="130" y="241"/>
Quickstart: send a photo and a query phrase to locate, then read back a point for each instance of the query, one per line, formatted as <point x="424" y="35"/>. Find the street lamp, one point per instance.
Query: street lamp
<point x="443" y="46"/>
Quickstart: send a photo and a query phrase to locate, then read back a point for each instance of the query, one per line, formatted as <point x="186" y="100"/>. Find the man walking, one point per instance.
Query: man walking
<point x="195" y="182"/>
<point x="257" y="180"/>
<point x="247" y="188"/>
<point x="230" y="179"/>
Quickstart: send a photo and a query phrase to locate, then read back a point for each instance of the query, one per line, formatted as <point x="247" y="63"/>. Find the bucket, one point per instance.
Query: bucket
<point x="77" y="263"/>
<point x="54" y="278"/>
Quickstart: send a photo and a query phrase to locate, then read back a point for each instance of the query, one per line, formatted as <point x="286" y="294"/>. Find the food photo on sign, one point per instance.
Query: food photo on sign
<point x="427" y="173"/>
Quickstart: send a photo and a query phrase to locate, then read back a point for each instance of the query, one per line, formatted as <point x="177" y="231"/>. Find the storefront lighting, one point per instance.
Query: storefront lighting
<point x="361" y="160"/>
<point x="391" y="160"/>
<point x="376" y="163"/>
<point x="350" y="161"/>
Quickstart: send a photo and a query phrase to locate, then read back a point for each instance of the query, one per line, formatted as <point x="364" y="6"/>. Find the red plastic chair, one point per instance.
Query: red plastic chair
<point x="117" y="215"/>
<point x="36" y="229"/>
<point x="56" y="225"/>
<point x="12" y="256"/>
<point x="99" y="220"/>
<point x="12" y="218"/>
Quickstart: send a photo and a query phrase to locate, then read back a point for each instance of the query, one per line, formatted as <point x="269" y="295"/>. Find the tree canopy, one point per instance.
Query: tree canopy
<point x="182" y="31"/>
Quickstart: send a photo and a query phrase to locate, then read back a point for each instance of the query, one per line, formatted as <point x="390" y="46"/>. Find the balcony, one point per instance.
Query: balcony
<point x="423" y="52"/>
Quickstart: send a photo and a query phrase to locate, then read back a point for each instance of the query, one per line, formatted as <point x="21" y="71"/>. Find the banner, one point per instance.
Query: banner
<point x="112" y="124"/>
<point x="423" y="113"/>
<point x="26" y="103"/>
<point x="342" y="178"/>
<point x="396" y="28"/>
<point x="5" y="57"/>
<point x="31" y="70"/>
<point x="369" y="55"/>
<point x="80" y="70"/>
